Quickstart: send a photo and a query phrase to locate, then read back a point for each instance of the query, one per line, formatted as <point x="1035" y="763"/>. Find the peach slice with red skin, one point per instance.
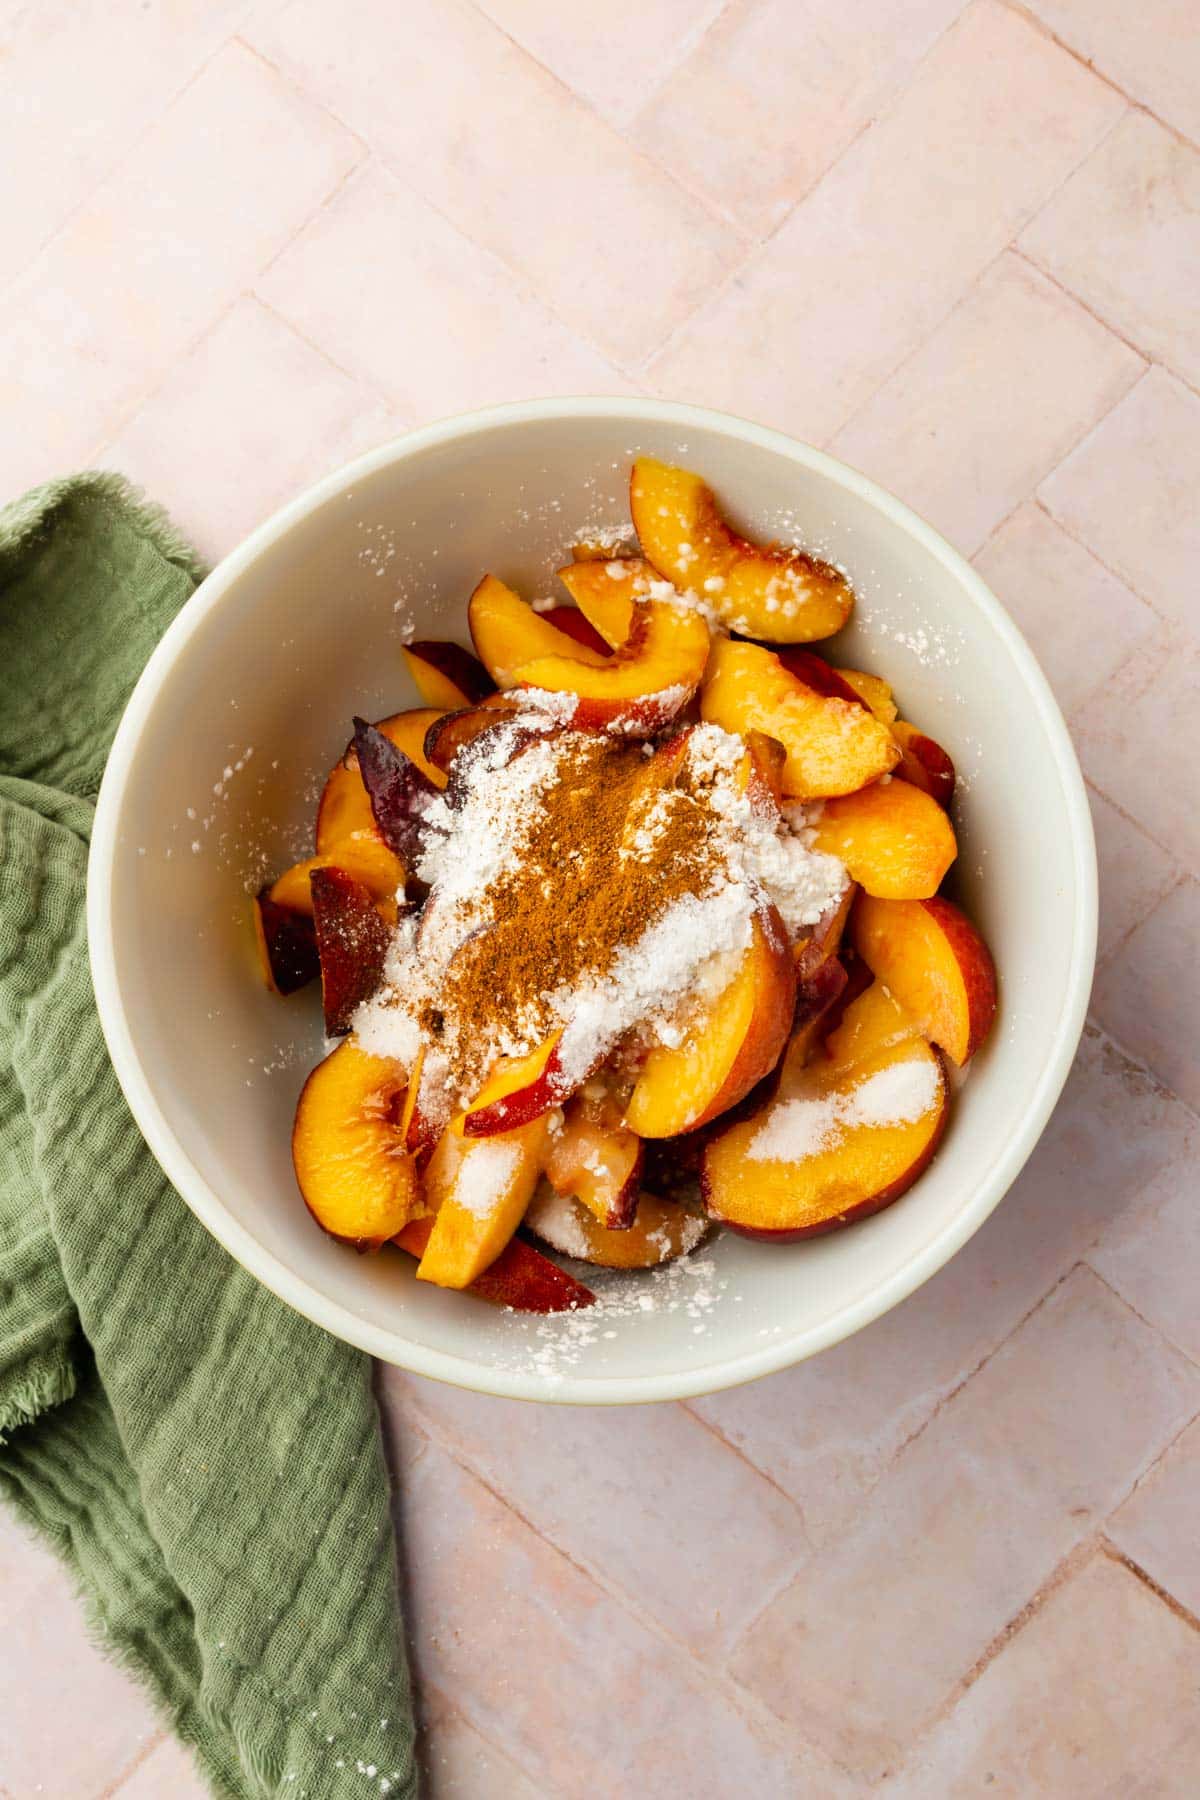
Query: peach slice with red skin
<point x="287" y="945"/>
<point x="607" y="592"/>
<point x="924" y="762"/>
<point x="643" y="685"/>
<point x="352" y="945"/>
<point x="849" y="1130"/>
<point x="345" y="809"/>
<point x="570" y="620"/>
<point x="824" y="939"/>
<point x="356" y="1177"/>
<point x="833" y="746"/>
<point x="507" y="632"/>
<point x="659" y="1232"/>
<point x="735" y="1042"/>
<point x="445" y="675"/>
<point x="478" y="1189"/>
<point x="817" y="674"/>
<point x="873" y="692"/>
<point x="933" y="961"/>
<point x="521" y="1088"/>
<point x="595" y="1158"/>
<point x="367" y="859"/>
<point x="766" y="590"/>
<point x="894" y="839"/>
<point x="520" y="1278"/>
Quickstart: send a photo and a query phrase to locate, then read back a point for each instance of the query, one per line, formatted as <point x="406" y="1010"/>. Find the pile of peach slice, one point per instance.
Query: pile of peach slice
<point x="891" y="984"/>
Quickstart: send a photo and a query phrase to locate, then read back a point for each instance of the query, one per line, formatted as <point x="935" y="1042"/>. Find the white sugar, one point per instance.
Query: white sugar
<point x="897" y="1095"/>
<point x="485" y="1172"/>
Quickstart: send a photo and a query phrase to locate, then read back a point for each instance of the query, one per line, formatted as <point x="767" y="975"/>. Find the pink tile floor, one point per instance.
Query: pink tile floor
<point x="959" y="244"/>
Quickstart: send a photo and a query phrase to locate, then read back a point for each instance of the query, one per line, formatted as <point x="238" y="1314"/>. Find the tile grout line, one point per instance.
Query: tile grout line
<point x="1115" y="1554"/>
<point x="126" y="155"/>
<point x="1039" y="24"/>
<point x="1192" y="1111"/>
<point x="744" y="1700"/>
<point x="919" y="1430"/>
<point x="112" y="1789"/>
<point x="1105" y="962"/>
<point x="1149" y="1470"/>
<point x="512" y="272"/>
<point x="1076" y="1559"/>
<point x="359" y="381"/>
<point x="1063" y="524"/>
<point x="797" y="201"/>
<point x="577" y="100"/>
<point x="354" y="172"/>
<point x="1149" y="357"/>
<point x="303" y="94"/>
<point x="747" y="1462"/>
<point x="469" y="1718"/>
<point x="1188" y="1356"/>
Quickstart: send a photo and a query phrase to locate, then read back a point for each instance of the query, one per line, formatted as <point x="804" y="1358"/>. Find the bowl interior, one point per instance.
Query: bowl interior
<point x="214" y="781"/>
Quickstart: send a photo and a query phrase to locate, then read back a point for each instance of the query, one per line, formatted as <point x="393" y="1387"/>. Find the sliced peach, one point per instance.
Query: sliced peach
<point x="521" y="1088"/>
<point x="345" y="810"/>
<point x="357" y="1179"/>
<point x="573" y="622"/>
<point x="364" y="858"/>
<point x="932" y="959"/>
<point x="478" y="1189"/>
<point x="507" y="632"/>
<point x="642" y="686"/>
<point x="607" y="592"/>
<point x="597" y="1159"/>
<point x="769" y="591"/>
<point x="735" y="1042"/>
<point x="894" y="839"/>
<point x="520" y="1278"/>
<point x="924" y="762"/>
<point x="600" y="546"/>
<point x="832" y="746"/>
<point x="445" y="675"/>
<point x="451" y="732"/>
<point x="660" y="1231"/>
<point x="400" y="793"/>
<point x="873" y="692"/>
<point x="817" y="674"/>
<point x="352" y="944"/>
<point x="847" y="1133"/>
<point x="824" y="940"/>
<point x="287" y="945"/>
<point x="761" y="771"/>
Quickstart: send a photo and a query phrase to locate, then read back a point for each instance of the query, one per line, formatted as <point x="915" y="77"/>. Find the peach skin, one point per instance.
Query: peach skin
<point x="357" y="1179"/>
<point x="731" y="1047"/>
<point x="849" y="1130"/>
<point x="833" y="745"/>
<point x="935" y="963"/>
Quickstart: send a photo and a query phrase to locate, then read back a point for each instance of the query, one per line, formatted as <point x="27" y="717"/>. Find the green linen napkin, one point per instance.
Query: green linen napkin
<point x="207" y="1463"/>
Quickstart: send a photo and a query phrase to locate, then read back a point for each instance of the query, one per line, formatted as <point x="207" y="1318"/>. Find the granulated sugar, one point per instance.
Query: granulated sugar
<point x="552" y="1346"/>
<point x="579" y="885"/>
<point x="897" y="1095"/>
<point x="488" y="1166"/>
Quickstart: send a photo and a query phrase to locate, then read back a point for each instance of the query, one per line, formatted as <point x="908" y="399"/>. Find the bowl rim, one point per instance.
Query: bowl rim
<point x="391" y="1345"/>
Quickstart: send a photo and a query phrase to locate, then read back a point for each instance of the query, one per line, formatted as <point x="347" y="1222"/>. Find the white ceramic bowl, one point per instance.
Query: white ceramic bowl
<point x="300" y="628"/>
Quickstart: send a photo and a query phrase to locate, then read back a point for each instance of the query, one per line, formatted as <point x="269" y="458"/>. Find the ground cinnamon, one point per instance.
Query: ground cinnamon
<point x="618" y="837"/>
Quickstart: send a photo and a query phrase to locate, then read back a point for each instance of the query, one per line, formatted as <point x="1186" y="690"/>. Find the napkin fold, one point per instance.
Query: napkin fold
<point x="206" y="1462"/>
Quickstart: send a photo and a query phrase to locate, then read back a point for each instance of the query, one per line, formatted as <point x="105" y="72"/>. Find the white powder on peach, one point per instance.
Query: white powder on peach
<point x="486" y="1170"/>
<point x="796" y="1129"/>
<point x="656" y="985"/>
